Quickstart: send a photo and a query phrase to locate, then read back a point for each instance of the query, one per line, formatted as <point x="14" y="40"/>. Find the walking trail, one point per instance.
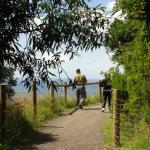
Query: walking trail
<point x="77" y="131"/>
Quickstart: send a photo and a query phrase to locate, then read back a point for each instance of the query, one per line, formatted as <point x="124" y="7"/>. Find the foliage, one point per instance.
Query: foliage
<point x="92" y="99"/>
<point x="108" y="74"/>
<point x="6" y="77"/>
<point x="141" y="140"/>
<point x="129" y="41"/>
<point x="107" y="133"/>
<point x="51" y="28"/>
<point x="18" y="127"/>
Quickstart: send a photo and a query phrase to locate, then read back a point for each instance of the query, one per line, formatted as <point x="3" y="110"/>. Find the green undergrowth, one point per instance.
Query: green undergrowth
<point x="106" y="130"/>
<point x="21" y="124"/>
<point x="139" y="140"/>
<point x="92" y="99"/>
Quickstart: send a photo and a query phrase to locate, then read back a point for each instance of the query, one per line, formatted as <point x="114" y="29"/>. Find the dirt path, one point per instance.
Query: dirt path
<point x="78" y="131"/>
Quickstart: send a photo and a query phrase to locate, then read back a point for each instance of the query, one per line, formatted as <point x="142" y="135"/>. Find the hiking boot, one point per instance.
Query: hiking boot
<point x="103" y="109"/>
<point x="81" y="107"/>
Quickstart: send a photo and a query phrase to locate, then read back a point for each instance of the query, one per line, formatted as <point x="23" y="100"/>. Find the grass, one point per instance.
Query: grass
<point x="92" y="99"/>
<point x="140" y="140"/>
<point x="107" y="133"/>
<point x="129" y="141"/>
<point x="20" y="123"/>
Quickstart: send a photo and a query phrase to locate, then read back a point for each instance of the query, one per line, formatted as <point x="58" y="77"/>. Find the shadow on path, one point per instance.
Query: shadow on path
<point x="46" y="126"/>
<point x="91" y="108"/>
<point x="69" y="113"/>
<point x="97" y="109"/>
<point x="74" y="110"/>
<point x="40" y="138"/>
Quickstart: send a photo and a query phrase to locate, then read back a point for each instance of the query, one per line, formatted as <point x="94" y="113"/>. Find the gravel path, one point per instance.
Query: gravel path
<point x="78" y="131"/>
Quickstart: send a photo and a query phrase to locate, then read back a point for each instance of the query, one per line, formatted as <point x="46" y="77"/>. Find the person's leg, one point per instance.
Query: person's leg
<point x="78" y="96"/>
<point x="104" y="101"/>
<point x="83" y="96"/>
<point x="109" y="100"/>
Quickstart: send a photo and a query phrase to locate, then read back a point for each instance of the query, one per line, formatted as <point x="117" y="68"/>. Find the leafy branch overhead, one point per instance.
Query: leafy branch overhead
<point x="53" y="27"/>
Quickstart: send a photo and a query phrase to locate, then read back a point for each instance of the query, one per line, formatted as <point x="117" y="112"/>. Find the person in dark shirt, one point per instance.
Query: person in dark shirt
<point x="106" y="84"/>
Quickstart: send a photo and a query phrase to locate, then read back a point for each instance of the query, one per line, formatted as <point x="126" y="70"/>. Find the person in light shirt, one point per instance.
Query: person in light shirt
<point x="79" y="82"/>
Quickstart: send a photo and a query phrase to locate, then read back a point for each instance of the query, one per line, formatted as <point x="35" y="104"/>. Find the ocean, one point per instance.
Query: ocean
<point x="43" y="90"/>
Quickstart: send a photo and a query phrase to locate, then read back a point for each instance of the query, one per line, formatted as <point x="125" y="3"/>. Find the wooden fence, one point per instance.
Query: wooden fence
<point x="65" y="87"/>
<point x="116" y="117"/>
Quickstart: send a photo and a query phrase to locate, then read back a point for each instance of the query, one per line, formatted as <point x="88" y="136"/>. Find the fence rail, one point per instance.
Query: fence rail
<point x="65" y="85"/>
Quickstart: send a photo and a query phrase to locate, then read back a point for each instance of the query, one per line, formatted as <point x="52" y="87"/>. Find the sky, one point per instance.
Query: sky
<point x="90" y="63"/>
<point x="106" y="3"/>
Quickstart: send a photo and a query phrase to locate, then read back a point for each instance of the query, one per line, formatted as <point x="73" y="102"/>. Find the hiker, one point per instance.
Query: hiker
<point x="79" y="82"/>
<point x="106" y="84"/>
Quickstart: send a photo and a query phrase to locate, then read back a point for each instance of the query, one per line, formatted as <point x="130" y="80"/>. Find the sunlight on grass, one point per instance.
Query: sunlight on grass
<point x="106" y="130"/>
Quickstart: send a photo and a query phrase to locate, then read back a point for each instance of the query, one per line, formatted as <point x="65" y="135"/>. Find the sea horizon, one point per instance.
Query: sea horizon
<point x="43" y="89"/>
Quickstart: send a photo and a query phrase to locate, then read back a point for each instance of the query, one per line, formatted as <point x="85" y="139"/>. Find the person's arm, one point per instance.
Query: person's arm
<point x="83" y="79"/>
<point x="74" y="83"/>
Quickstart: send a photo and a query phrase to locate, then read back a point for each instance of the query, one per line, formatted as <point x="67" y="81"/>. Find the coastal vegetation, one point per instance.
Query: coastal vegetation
<point x="128" y="40"/>
<point x="21" y="124"/>
<point x="60" y="27"/>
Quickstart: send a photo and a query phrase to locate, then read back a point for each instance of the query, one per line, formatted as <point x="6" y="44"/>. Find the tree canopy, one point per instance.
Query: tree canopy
<point x="63" y="27"/>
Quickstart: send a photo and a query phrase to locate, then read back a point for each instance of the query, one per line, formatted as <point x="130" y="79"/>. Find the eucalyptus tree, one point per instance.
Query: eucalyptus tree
<point x="129" y="41"/>
<point x="52" y="27"/>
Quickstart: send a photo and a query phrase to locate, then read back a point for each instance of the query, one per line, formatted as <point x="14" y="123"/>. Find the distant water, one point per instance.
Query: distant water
<point x="43" y="90"/>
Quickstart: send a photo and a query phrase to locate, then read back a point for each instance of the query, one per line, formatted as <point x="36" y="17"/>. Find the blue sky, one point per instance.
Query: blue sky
<point x="90" y="63"/>
<point x="94" y="3"/>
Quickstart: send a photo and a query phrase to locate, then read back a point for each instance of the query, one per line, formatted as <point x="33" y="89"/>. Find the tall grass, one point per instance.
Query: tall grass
<point x="20" y="123"/>
<point x="92" y="99"/>
<point x="139" y="140"/>
<point x="106" y="130"/>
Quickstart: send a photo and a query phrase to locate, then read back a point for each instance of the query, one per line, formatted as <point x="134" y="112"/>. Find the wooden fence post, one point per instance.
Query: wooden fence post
<point x="2" y="112"/>
<point x="34" y="94"/>
<point x="116" y="118"/>
<point x="65" y="93"/>
<point x="52" y="92"/>
<point x="52" y="95"/>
